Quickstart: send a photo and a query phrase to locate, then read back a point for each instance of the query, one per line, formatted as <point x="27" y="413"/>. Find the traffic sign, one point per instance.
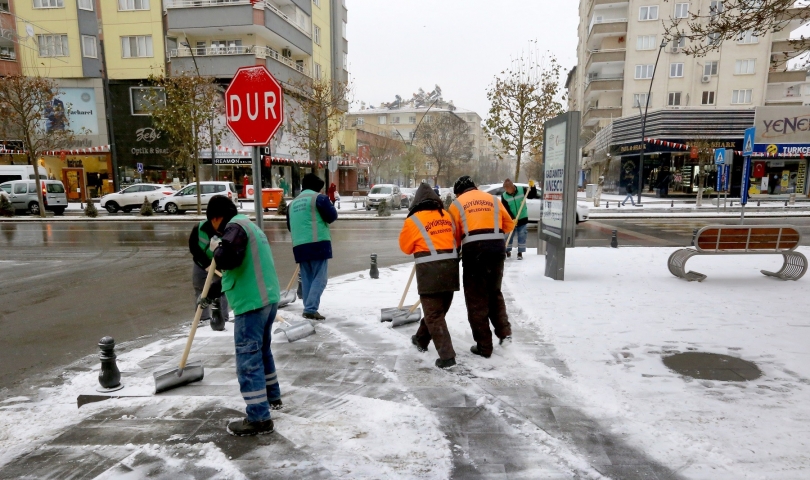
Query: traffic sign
<point x="748" y="141"/>
<point x="254" y="106"/>
<point x="746" y="181"/>
<point x="139" y="167"/>
<point x="719" y="156"/>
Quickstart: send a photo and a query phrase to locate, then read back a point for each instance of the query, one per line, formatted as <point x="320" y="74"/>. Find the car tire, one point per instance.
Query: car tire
<point x="111" y="207"/>
<point x="171" y="208"/>
<point x="578" y="220"/>
<point x="155" y="205"/>
<point x="33" y="208"/>
<point x="127" y="209"/>
<point x="58" y="211"/>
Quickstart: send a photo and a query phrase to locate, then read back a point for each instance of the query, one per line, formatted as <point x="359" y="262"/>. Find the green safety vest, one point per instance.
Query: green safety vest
<point x="514" y="202"/>
<point x="306" y="224"/>
<point x="253" y="284"/>
<point x="204" y="240"/>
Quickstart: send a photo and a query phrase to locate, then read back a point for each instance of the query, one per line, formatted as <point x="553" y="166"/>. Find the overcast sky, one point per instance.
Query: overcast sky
<point x="397" y="46"/>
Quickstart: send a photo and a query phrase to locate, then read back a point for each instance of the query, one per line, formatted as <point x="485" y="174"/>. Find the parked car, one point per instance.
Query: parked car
<point x="407" y="195"/>
<point x="23" y="195"/>
<point x="384" y="191"/>
<point x="534" y="206"/>
<point x="186" y="198"/>
<point x="131" y="198"/>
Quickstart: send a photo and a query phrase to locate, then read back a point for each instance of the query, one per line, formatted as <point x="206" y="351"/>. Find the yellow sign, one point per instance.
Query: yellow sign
<point x="785" y="178"/>
<point x="772" y="149"/>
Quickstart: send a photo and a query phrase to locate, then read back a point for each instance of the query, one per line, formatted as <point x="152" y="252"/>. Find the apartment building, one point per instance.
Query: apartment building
<point x="707" y="98"/>
<point x="8" y="48"/>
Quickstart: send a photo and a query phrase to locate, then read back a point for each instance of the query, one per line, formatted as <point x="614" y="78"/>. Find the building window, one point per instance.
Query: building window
<point x="678" y="43"/>
<point x="412" y="135"/>
<point x="648" y="13"/>
<point x="317" y="3"/>
<point x="744" y="67"/>
<point x="681" y="10"/>
<point x="644" y="71"/>
<point x="710" y="68"/>
<point x="748" y="37"/>
<point x="412" y="120"/>
<point x="134" y="47"/>
<point x="317" y="71"/>
<point x="381" y="120"/>
<point x="133" y="4"/>
<point x="360" y="121"/>
<point x="49" y="4"/>
<point x="715" y="8"/>
<point x="86" y="5"/>
<point x="741" y="96"/>
<point x="394" y="119"/>
<point x="675" y="70"/>
<point x="674" y="99"/>
<point x="142" y="99"/>
<point x="89" y="49"/>
<point x="317" y="35"/>
<point x="714" y="38"/>
<point x="707" y="98"/>
<point x="344" y="30"/>
<point x="200" y="48"/>
<point x="641" y="100"/>
<point x="428" y="166"/>
<point x="53" y="45"/>
<point x="427" y="119"/>
<point x="345" y="61"/>
<point x="223" y="47"/>
<point x="645" y="42"/>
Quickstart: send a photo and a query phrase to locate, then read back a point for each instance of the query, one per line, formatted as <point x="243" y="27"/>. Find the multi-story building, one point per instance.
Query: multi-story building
<point x="708" y="98"/>
<point x="9" y="65"/>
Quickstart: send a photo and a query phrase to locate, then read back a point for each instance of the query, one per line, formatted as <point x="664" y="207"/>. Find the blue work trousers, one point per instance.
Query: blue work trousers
<point x="313" y="283"/>
<point x="255" y="367"/>
<point x="520" y="235"/>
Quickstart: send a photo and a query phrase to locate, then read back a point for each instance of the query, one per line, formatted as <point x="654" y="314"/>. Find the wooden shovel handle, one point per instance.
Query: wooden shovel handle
<point x="407" y="287"/>
<point x="295" y="274"/>
<point x="208" y="280"/>
<point x="413" y="307"/>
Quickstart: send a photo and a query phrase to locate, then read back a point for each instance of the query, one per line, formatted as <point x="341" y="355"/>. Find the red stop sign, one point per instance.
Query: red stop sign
<point x="254" y="106"/>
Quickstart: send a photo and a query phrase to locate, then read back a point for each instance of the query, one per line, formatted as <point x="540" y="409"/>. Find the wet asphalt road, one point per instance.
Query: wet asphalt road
<point x="64" y="285"/>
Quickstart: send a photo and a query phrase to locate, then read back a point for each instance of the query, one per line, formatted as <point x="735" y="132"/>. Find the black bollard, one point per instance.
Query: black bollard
<point x="731" y="203"/>
<point x="109" y="377"/>
<point x="614" y="240"/>
<point x="758" y="203"/>
<point x="300" y="291"/>
<point x="694" y="235"/>
<point x="607" y="204"/>
<point x="374" y="272"/>
<point x="672" y="204"/>
<point x="619" y="204"/>
<point x="786" y="203"/>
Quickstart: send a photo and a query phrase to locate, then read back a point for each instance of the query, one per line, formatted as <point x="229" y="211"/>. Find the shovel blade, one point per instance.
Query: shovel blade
<point x="168" y="379"/>
<point x="297" y="331"/>
<point x="404" y="318"/>
<point x="287" y="297"/>
<point x="388" y="314"/>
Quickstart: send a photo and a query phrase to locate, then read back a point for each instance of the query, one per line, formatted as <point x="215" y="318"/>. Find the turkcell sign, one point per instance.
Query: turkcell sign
<point x="554" y="184"/>
<point x="782" y="130"/>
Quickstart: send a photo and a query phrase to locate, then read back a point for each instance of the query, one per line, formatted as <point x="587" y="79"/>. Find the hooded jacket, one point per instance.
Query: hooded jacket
<point x="429" y="235"/>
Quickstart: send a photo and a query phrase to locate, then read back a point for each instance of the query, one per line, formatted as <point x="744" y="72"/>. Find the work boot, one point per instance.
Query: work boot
<point x="520" y="256"/>
<point x="314" y="316"/>
<point x="450" y="362"/>
<point x="507" y="340"/>
<point x="241" y="428"/>
<point x="508" y="254"/>
<point x="416" y="342"/>
<point x="477" y="351"/>
<point x="217" y="322"/>
<point x="276" y="405"/>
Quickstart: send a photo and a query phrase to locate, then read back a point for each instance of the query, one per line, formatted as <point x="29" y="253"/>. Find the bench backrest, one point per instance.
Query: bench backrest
<point x="759" y="239"/>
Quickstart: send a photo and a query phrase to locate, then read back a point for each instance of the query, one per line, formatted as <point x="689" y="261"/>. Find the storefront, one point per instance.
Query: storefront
<point x="778" y="176"/>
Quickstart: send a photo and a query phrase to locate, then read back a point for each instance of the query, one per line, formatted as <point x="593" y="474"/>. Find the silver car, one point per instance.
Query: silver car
<point x="186" y="198"/>
<point x="23" y="195"/>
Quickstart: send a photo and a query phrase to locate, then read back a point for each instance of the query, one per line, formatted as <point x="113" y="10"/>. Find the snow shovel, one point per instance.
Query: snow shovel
<point x="192" y="372"/>
<point x="387" y="314"/>
<point x="288" y="295"/>
<point x="295" y="331"/>
<point x="412" y="315"/>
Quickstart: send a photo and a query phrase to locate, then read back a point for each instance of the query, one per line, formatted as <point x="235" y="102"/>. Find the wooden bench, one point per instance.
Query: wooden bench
<point x="743" y="240"/>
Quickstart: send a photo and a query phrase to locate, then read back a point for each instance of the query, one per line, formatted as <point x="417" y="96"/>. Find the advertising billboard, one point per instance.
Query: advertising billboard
<point x="782" y="130"/>
<point x="74" y="109"/>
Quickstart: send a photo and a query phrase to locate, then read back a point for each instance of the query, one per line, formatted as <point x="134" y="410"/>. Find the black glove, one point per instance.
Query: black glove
<point x="204" y="302"/>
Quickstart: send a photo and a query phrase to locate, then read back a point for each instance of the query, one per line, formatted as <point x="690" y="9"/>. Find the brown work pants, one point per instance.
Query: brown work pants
<point x="482" y="277"/>
<point x="433" y="325"/>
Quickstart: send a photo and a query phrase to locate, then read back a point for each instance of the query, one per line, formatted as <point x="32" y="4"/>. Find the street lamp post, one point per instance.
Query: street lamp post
<point x="644" y="123"/>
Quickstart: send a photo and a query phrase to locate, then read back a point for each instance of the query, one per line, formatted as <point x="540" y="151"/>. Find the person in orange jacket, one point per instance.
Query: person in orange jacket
<point x="481" y="221"/>
<point x="428" y="234"/>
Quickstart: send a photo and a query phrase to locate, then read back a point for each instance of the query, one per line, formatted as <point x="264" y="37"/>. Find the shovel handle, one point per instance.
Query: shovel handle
<point x="522" y="204"/>
<point x="208" y="280"/>
<point x="413" y="307"/>
<point x="295" y="274"/>
<point x="407" y="287"/>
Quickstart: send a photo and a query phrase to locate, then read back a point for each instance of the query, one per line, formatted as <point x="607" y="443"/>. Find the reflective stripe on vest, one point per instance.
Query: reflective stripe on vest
<point x="496" y="235"/>
<point x="204" y="241"/>
<point x="253" y="241"/>
<point x="434" y="256"/>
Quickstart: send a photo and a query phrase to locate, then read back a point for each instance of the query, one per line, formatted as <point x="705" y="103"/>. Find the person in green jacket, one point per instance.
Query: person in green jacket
<point x="250" y="283"/>
<point x="512" y="199"/>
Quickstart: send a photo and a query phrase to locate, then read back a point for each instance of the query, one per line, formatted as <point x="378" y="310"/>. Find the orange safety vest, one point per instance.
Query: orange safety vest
<point x="482" y="217"/>
<point x="429" y="237"/>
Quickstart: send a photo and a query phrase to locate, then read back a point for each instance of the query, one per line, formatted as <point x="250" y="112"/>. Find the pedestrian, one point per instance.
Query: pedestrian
<point x="285" y="187"/>
<point x="198" y="244"/>
<point x="250" y="282"/>
<point x="436" y="190"/>
<point x="332" y="190"/>
<point x="629" y="190"/>
<point x="428" y="234"/>
<point x="308" y="219"/>
<point x="480" y="224"/>
<point x="512" y="199"/>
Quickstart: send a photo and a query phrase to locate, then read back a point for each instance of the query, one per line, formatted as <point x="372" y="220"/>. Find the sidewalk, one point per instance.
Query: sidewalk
<point x="581" y="393"/>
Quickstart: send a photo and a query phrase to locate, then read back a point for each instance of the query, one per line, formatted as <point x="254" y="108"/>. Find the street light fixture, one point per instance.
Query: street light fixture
<point x="644" y="123"/>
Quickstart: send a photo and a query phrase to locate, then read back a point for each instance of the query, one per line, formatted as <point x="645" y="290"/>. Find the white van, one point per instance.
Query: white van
<point x="20" y="172"/>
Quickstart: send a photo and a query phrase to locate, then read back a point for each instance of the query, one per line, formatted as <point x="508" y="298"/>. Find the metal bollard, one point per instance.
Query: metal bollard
<point x="672" y="204"/>
<point x="607" y="204"/>
<point x="694" y="235"/>
<point x="300" y="291"/>
<point x="618" y="204"/>
<point x="374" y="272"/>
<point x="731" y="203"/>
<point x="614" y="240"/>
<point x="758" y="203"/>
<point x="786" y="203"/>
<point x="109" y="377"/>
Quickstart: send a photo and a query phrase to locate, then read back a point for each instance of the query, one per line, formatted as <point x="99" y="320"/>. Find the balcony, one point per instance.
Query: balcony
<point x="605" y="56"/>
<point x="607" y="26"/>
<point x="608" y="3"/>
<point x="792" y="76"/>
<point x="594" y="114"/>
<point x="604" y="84"/>
<point x="223" y="61"/>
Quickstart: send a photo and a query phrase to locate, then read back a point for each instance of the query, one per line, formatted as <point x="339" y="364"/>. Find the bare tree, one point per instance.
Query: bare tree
<point x="184" y="107"/>
<point x="409" y="160"/>
<point x="33" y="116"/>
<point x="447" y="141"/>
<point x="522" y="99"/>
<point x="383" y="153"/>
<point x="323" y="104"/>
<point x="731" y="20"/>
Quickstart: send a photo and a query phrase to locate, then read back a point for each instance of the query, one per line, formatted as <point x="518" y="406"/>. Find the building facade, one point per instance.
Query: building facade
<point x="618" y="45"/>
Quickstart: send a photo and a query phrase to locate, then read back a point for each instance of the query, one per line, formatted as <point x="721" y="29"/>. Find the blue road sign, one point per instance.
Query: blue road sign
<point x="723" y="177"/>
<point x="748" y="141"/>
<point x="746" y="180"/>
<point x="139" y="167"/>
<point x="719" y="156"/>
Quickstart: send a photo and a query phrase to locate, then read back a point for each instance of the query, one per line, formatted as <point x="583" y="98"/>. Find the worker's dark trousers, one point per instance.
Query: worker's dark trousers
<point x="433" y="325"/>
<point x="482" y="278"/>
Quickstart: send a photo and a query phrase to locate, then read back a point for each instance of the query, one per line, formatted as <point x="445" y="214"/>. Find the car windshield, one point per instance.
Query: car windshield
<point x="55" y="188"/>
<point x="381" y="190"/>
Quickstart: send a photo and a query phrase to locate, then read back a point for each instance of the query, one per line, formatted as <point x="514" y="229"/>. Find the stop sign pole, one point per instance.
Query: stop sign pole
<point x="254" y="110"/>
